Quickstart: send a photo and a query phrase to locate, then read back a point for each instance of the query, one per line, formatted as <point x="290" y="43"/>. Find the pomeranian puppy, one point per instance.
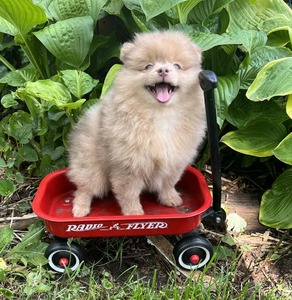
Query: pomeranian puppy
<point x="146" y="130"/>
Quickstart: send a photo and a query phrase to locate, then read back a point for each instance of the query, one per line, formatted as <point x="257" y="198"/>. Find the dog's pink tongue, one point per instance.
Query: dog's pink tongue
<point x="162" y="93"/>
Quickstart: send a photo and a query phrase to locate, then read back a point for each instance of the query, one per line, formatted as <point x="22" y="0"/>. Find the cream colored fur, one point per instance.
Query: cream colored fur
<point x="130" y="141"/>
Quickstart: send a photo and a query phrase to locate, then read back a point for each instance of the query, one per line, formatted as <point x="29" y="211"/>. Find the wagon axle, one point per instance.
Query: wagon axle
<point x="194" y="259"/>
<point x="63" y="262"/>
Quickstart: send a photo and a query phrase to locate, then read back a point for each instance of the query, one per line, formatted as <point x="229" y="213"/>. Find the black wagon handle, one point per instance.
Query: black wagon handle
<point x="208" y="82"/>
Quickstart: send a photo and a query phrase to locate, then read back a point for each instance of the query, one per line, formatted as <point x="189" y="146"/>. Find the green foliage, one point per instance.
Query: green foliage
<point x="258" y="139"/>
<point x="6" y="187"/>
<point x="281" y="190"/>
<point x="18" y="19"/>
<point x="61" y="45"/>
<point x="68" y="40"/>
<point x="269" y="81"/>
<point x="49" y="87"/>
<point x="30" y="251"/>
<point x="39" y="116"/>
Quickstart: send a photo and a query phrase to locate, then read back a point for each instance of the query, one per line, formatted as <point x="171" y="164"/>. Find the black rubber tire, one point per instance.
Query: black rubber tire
<point x="192" y="246"/>
<point x="72" y="254"/>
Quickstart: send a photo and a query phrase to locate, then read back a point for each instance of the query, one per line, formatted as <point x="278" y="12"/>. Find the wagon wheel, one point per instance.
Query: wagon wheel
<point x="61" y="255"/>
<point x="192" y="252"/>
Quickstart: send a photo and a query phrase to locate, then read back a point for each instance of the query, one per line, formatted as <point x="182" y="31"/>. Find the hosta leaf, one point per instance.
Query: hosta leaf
<point x="279" y="38"/>
<point x="48" y="90"/>
<point x="242" y="112"/>
<point x="269" y="81"/>
<point x="259" y="139"/>
<point x="140" y="21"/>
<point x="184" y="9"/>
<point x="250" y="39"/>
<point x="68" y="40"/>
<point x="22" y="15"/>
<point x="45" y="5"/>
<point x="7" y="27"/>
<point x="276" y="204"/>
<point x="133" y="5"/>
<point x="289" y="106"/>
<point x="208" y="40"/>
<point x="220" y="4"/>
<point x="152" y="8"/>
<point x="114" y="7"/>
<point x="66" y="9"/>
<point x="110" y="76"/>
<point x="284" y="150"/>
<point x="259" y="57"/>
<point x="205" y="9"/>
<point x="228" y="87"/>
<point x="247" y="15"/>
<point x="78" y="83"/>
<point x="277" y="25"/>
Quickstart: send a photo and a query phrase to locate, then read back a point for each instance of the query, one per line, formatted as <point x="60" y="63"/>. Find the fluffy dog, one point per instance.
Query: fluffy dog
<point x="146" y="130"/>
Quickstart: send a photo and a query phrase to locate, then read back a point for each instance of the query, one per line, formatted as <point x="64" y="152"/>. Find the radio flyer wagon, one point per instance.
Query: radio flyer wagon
<point x="54" y="199"/>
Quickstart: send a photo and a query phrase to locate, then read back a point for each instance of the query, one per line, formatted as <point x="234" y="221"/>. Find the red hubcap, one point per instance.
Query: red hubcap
<point x="195" y="259"/>
<point x="63" y="262"/>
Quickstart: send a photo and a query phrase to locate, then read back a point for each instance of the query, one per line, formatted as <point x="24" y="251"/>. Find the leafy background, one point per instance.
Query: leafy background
<point x="59" y="56"/>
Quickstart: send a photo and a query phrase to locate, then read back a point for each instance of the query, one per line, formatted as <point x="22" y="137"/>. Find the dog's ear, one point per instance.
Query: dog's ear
<point x="126" y="51"/>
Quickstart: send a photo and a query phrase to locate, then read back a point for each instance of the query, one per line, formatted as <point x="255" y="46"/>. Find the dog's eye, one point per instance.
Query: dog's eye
<point x="177" y="66"/>
<point x="149" y="67"/>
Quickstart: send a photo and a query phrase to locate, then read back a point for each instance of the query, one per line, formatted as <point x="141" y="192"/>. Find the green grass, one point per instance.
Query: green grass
<point x="24" y="276"/>
<point x="77" y="285"/>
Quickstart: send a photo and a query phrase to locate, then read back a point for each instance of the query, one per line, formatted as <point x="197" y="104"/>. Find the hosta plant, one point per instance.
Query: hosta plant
<point x="42" y="97"/>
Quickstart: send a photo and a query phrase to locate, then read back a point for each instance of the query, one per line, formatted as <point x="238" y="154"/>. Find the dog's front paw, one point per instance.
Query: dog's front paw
<point x="127" y="211"/>
<point x="170" y="198"/>
<point x="81" y="204"/>
<point x="80" y="211"/>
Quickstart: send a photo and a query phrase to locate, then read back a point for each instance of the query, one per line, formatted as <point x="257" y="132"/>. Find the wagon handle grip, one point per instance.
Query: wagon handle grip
<point x="208" y="82"/>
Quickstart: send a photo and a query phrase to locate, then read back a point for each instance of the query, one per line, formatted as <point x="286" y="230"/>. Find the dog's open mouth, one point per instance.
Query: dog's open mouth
<point x="162" y="91"/>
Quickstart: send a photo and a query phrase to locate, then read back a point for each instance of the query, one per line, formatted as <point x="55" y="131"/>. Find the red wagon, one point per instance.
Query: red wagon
<point x="53" y="203"/>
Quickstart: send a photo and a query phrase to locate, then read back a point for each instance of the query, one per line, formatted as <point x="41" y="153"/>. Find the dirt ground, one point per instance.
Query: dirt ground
<point x="265" y="257"/>
<point x="267" y="263"/>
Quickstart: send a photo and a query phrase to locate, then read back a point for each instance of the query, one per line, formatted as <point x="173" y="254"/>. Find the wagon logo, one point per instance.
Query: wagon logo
<point x="117" y="226"/>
